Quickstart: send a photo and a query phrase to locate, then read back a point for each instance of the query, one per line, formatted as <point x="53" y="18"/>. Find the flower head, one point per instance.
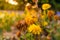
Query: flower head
<point x="35" y="29"/>
<point x="56" y="17"/>
<point x="30" y="19"/>
<point x="50" y="13"/>
<point x="46" y="6"/>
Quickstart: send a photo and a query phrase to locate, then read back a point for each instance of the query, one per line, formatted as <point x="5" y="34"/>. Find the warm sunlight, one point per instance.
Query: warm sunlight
<point x="12" y="2"/>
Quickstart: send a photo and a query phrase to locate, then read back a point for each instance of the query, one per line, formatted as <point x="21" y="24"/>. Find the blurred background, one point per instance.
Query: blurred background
<point x="20" y="4"/>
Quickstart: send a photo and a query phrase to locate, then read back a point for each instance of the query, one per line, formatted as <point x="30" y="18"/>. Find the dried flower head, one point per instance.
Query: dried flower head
<point x="28" y="6"/>
<point x="21" y="25"/>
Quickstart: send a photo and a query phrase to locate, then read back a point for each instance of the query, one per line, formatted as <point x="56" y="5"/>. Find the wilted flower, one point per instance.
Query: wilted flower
<point x="21" y="25"/>
<point x="28" y="7"/>
<point x="46" y="6"/>
<point x="35" y="29"/>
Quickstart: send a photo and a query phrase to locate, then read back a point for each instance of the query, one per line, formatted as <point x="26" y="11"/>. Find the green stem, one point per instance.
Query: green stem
<point x="44" y="12"/>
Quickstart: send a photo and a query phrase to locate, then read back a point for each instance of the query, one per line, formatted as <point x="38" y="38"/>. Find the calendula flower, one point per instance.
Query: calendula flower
<point x="46" y="6"/>
<point x="35" y="29"/>
<point x="50" y="13"/>
<point x="56" y="17"/>
<point x="45" y="23"/>
<point x="34" y="15"/>
<point x="33" y="11"/>
<point x="30" y="19"/>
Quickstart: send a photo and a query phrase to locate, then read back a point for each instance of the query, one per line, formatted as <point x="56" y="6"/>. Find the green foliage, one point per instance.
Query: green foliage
<point x="44" y="1"/>
<point x="27" y="36"/>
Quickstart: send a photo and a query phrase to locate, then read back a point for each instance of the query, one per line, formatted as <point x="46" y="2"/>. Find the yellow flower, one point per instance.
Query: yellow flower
<point x="45" y="23"/>
<point x="46" y="6"/>
<point x="35" y="29"/>
<point x="34" y="16"/>
<point x="30" y="19"/>
<point x="33" y="11"/>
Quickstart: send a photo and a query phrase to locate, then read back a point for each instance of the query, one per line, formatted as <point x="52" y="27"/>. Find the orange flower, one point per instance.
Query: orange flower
<point x="28" y="19"/>
<point x="50" y="13"/>
<point x="56" y="17"/>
